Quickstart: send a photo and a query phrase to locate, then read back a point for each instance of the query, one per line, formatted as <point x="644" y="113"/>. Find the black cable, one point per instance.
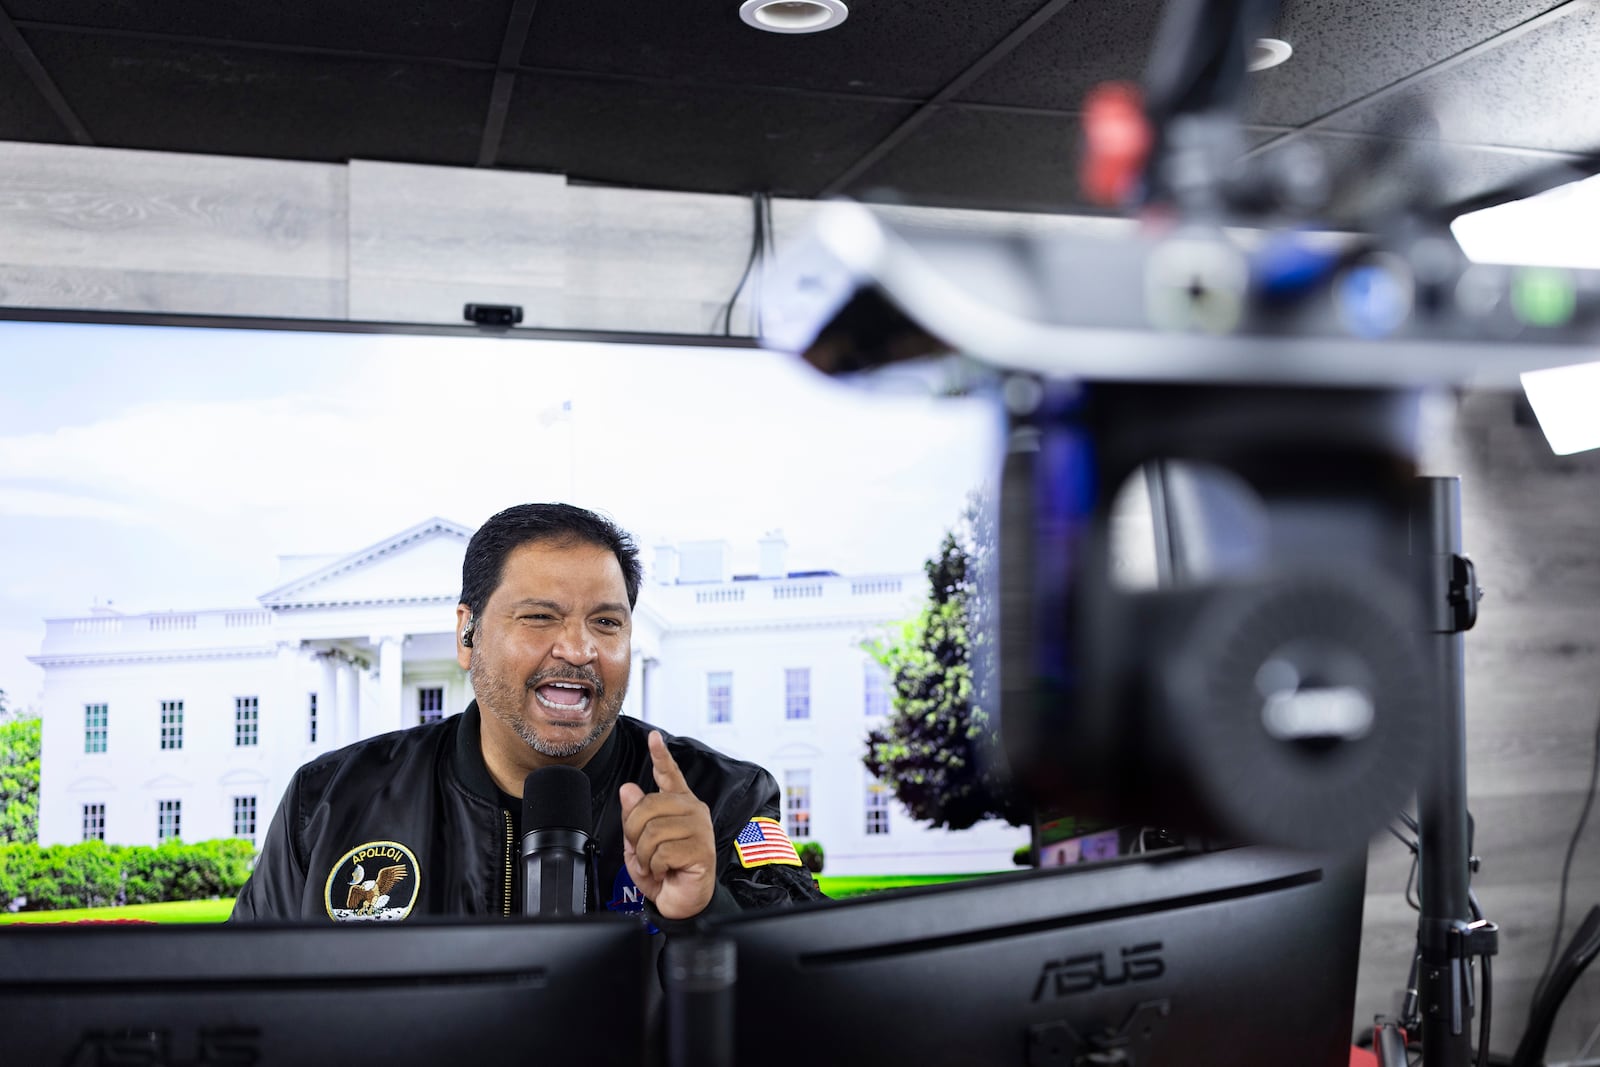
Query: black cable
<point x="1415" y="851"/>
<point x="759" y="258"/>
<point x="1548" y="998"/>
<point x="769" y="248"/>
<point x="1410" y="1021"/>
<point x="757" y="246"/>
<point x="1566" y="867"/>
<point x="1487" y="983"/>
<point x="1488" y="1008"/>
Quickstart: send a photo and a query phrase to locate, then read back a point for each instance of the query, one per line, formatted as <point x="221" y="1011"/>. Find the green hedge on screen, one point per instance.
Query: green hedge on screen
<point x="94" y="874"/>
<point x="811" y="856"/>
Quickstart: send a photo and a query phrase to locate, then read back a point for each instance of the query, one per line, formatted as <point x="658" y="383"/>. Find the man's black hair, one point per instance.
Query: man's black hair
<point x="526" y="523"/>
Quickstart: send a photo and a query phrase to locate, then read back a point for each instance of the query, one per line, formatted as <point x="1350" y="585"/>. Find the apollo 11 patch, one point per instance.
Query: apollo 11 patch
<point x="374" y="882"/>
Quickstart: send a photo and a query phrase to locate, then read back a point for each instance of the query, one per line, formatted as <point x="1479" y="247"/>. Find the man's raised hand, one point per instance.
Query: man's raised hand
<point x="667" y="841"/>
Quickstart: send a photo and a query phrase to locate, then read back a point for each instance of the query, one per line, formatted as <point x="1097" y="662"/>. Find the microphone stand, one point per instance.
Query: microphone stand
<point x="1448" y="934"/>
<point x="700" y="974"/>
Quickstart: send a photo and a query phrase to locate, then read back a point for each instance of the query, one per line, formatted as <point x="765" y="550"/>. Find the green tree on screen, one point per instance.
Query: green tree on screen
<point x="937" y="748"/>
<point x="19" y="779"/>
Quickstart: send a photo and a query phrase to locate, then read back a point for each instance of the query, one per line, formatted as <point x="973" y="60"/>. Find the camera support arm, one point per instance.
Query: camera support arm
<point x="1448" y="934"/>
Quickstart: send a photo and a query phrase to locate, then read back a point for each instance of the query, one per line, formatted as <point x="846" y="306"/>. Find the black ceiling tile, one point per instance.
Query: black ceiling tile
<point x="183" y="98"/>
<point x="882" y="48"/>
<point x="24" y="114"/>
<point x="1538" y="90"/>
<point x="981" y="158"/>
<point x="1089" y="42"/>
<point x="688" y="138"/>
<point x="470" y="31"/>
<point x="1345" y="49"/>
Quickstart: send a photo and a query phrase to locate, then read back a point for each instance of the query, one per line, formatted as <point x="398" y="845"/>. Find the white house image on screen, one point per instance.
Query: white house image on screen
<point x="190" y="723"/>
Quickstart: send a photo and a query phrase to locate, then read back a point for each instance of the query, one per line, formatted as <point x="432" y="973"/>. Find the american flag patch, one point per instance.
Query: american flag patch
<point x="762" y="841"/>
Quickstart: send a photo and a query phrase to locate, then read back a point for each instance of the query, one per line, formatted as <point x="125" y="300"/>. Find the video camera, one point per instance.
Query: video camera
<point x="1296" y="673"/>
<point x="1278" y="686"/>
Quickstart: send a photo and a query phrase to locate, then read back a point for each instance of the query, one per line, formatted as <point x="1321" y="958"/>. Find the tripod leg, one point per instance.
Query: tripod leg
<point x="1389" y="1042"/>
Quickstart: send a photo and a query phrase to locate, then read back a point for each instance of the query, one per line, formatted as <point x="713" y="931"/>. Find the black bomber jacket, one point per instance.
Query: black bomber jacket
<point x="410" y="823"/>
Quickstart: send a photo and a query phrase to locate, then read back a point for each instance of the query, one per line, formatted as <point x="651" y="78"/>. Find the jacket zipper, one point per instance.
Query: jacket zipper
<point x="507" y="816"/>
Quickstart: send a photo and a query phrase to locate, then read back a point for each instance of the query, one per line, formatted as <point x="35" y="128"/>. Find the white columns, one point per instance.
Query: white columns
<point x="282" y="724"/>
<point x="328" y="721"/>
<point x="640" y="703"/>
<point x="634" y="705"/>
<point x="388" y="715"/>
<point x="349" y="703"/>
<point x="341" y="717"/>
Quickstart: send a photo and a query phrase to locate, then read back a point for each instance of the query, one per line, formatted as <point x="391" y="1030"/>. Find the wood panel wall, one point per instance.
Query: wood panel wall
<point x="1531" y="523"/>
<point x="114" y="230"/>
<point x="117" y="230"/>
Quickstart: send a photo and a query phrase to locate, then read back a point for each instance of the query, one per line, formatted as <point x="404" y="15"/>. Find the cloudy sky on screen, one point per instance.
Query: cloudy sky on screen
<point x="166" y="469"/>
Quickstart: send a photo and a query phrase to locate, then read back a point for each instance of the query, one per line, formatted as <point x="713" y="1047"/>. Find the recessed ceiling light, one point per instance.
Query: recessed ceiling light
<point x="793" y="16"/>
<point x="1268" y="52"/>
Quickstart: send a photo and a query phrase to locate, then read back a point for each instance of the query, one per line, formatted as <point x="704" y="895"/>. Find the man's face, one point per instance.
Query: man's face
<point x="550" y="650"/>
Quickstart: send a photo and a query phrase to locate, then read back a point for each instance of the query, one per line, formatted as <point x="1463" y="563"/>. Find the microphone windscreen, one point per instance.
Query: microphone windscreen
<point x="557" y="798"/>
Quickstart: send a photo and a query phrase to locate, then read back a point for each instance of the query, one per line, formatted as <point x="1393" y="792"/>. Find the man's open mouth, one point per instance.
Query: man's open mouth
<point x="565" y="698"/>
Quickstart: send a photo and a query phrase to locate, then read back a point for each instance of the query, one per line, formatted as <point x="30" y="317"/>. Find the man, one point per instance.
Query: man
<point x="426" y="820"/>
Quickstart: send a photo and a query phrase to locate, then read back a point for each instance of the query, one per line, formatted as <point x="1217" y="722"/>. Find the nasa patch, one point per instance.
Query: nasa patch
<point x="374" y="882"/>
<point x="627" y="897"/>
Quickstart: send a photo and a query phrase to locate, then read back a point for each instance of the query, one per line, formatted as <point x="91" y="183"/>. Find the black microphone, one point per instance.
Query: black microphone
<point x="557" y="819"/>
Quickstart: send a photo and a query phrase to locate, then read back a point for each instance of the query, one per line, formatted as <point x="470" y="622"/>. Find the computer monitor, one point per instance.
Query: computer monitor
<point x="1237" y="958"/>
<point x="414" y="993"/>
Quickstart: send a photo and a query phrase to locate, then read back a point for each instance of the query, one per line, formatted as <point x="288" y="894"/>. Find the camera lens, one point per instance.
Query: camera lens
<point x="1300" y="706"/>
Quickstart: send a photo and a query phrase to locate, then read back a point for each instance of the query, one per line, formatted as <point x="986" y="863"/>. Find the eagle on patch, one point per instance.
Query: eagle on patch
<point x="368" y="895"/>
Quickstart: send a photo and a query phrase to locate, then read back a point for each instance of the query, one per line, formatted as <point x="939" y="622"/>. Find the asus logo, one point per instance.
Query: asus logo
<point x="222" y="1046"/>
<point x="1081" y="974"/>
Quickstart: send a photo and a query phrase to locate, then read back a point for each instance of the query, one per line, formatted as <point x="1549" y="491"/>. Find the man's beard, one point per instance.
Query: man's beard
<point x="505" y="701"/>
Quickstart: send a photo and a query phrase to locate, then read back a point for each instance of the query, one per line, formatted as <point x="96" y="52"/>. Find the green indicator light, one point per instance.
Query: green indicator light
<point x="1543" y="297"/>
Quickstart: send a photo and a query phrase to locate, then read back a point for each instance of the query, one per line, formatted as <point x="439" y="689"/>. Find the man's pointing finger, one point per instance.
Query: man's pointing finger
<point x="669" y="779"/>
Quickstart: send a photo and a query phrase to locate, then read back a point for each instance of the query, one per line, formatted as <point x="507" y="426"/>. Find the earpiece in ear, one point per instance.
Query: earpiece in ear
<point x="466" y="634"/>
